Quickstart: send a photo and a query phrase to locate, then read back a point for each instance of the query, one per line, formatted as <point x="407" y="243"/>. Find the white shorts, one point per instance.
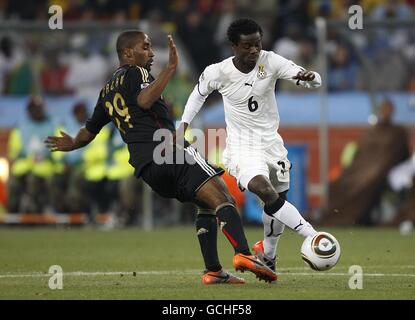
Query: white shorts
<point x="245" y="164"/>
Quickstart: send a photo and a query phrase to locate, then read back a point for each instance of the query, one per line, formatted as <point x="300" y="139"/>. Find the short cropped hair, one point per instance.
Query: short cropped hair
<point x="242" y="26"/>
<point x="127" y="39"/>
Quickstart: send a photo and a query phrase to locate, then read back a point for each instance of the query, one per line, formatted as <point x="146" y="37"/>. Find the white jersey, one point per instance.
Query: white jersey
<point x="251" y="112"/>
<point x="253" y="144"/>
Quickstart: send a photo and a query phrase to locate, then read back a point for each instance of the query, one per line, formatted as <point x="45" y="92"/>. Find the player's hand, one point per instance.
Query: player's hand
<point x="173" y="56"/>
<point x="305" y="76"/>
<point x="63" y="143"/>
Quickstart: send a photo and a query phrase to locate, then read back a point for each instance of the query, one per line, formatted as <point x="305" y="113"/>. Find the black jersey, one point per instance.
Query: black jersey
<point x="117" y="102"/>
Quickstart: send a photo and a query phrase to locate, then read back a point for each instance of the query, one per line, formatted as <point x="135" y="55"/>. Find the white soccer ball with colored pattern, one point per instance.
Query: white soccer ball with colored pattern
<point x="321" y="252"/>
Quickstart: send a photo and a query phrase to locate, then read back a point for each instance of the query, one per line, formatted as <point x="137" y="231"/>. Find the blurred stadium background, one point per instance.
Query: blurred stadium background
<point x="66" y="69"/>
<point x="50" y="79"/>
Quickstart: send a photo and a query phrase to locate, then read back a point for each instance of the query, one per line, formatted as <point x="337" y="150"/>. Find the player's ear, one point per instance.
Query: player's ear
<point x="128" y="53"/>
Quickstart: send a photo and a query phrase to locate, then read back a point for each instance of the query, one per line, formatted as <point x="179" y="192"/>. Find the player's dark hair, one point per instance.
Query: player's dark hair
<point x="127" y="39"/>
<point x="242" y="26"/>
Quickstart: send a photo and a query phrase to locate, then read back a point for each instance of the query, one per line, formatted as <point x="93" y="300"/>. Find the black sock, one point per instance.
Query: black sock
<point x="206" y="227"/>
<point x="231" y="226"/>
<point x="273" y="207"/>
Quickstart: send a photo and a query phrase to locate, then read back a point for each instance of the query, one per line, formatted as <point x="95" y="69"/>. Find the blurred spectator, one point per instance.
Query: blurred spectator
<point x="31" y="164"/>
<point x="402" y="181"/>
<point x="10" y="59"/>
<point x="199" y="25"/>
<point x="79" y="184"/>
<point x="343" y="71"/>
<point x="33" y="49"/>
<point x="397" y="38"/>
<point x="177" y="10"/>
<point x="289" y="11"/>
<point x="392" y="62"/>
<point x="94" y="167"/>
<point x="53" y="74"/>
<point x="71" y="9"/>
<point x="198" y="38"/>
<point x="22" y="80"/>
<point x="87" y="72"/>
<point x="68" y="192"/>
<point x="228" y="14"/>
<point x="177" y="92"/>
<point x="358" y="190"/>
<point x="289" y="45"/>
<point x="307" y="55"/>
<point x="25" y="10"/>
<point x="387" y="9"/>
<point x="411" y="83"/>
<point x="88" y="184"/>
<point x="123" y="188"/>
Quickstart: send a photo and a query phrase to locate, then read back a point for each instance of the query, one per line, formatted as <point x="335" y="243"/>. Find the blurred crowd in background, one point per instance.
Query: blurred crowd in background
<point x="78" y="62"/>
<point x="96" y="179"/>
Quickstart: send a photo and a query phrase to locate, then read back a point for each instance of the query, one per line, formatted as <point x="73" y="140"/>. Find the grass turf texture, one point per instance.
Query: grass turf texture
<point x="167" y="264"/>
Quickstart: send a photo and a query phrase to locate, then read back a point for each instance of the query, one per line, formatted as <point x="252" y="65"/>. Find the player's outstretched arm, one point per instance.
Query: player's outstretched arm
<point x="193" y="105"/>
<point x="152" y="93"/>
<point x="288" y="70"/>
<point x="305" y="76"/>
<point x="66" y="143"/>
<point x="310" y="78"/>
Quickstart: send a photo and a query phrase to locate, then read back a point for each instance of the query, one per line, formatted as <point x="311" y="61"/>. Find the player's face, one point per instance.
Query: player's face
<point x="248" y="48"/>
<point x="143" y="52"/>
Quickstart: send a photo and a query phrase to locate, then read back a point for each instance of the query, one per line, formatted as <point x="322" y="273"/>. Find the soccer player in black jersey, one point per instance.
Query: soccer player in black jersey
<point x="132" y="100"/>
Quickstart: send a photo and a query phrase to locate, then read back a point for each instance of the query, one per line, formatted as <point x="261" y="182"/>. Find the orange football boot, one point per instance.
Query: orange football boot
<point x="220" y="277"/>
<point x="242" y="262"/>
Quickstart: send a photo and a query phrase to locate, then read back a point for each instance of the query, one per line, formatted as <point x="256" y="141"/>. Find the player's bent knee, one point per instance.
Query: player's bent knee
<point x="226" y="197"/>
<point x="266" y="191"/>
<point x="223" y="205"/>
<point x="212" y="194"/>
<point x="224" y="190"/>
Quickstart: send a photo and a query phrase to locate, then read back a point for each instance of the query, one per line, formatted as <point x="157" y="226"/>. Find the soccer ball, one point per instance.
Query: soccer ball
<point x="321" y="252"/>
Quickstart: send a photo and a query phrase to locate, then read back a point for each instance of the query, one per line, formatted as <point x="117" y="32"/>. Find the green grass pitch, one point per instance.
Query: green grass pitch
<point x="167" y="264"/>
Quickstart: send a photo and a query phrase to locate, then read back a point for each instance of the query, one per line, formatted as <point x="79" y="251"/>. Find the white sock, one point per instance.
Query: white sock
<point x="273" y="229"/>
<point x="289" y="215"/>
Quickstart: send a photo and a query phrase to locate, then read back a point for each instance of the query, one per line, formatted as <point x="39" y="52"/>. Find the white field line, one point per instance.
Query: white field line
<point x="194" y="272"/>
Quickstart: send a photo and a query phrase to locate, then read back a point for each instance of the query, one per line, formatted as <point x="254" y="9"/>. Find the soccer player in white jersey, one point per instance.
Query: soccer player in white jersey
<point x="255" y="152"/>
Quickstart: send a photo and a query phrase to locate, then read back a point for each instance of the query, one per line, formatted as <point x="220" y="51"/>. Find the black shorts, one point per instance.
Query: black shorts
<point x="180" y="180"/>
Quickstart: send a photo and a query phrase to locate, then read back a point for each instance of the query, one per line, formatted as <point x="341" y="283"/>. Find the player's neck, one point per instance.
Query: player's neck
<point x="243" y="67"/>
<point x="125" y="63"/>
